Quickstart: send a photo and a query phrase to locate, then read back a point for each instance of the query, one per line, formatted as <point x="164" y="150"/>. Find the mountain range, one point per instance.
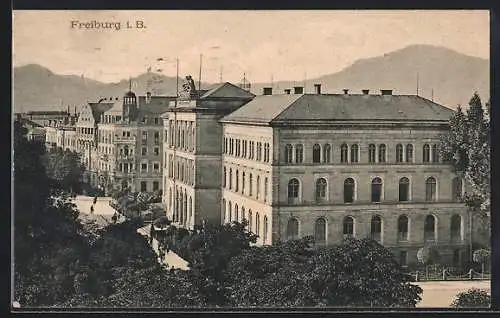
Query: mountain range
<point x="446" y="76"/>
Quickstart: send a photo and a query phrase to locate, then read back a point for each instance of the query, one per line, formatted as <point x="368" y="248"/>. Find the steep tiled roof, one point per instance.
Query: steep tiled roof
<point x="98" y="109"/>
<point x="157" y="105"/>
<point x="339" y="107"/>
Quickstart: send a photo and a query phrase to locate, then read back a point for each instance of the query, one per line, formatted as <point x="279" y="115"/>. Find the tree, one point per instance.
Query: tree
<point x="467" y="147"/>
<point x="427" y="255"/>
<point x="64" y="168"/>
<point x="262" y="276"/>
<point x="472" y="298"/>
<point x="357" y="273"/>
<point x="481" y="256"/>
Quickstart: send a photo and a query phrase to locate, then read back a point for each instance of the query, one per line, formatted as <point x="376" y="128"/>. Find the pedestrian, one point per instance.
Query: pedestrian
<point x="92" y="209"/>
<point x="114" y="218"/>
<point x="95" y="199"/>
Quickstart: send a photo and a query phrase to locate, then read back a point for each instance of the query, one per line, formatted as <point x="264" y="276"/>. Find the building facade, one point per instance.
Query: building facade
<point x="192" y="152"/>
<point x="129" y="144"/>
<point x="331" y="166"/>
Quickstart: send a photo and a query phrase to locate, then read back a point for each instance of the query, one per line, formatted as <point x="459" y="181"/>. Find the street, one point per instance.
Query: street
<point x="103" y="212"/>
<point x="442" y="293"/>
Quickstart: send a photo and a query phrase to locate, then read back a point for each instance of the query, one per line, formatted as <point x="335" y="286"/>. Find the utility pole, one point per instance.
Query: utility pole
<point x="199" y="78"/>
<point x="417" y="82"/>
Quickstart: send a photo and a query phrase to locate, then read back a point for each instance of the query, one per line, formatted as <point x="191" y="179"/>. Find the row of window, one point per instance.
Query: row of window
<point x="351" y="153"/>
<point x="181" y="205"/>
<point x="377" y="230"/>
<point x="252" y="150"/>
<point x="130" y="167"/>
<point x="85" y="130"/>
<point x="253" y="225"/>
<point x="238" y="183"/>
<point x="181" y="134"/>
<point x="321" y="191"/>
<point x="184" y="169"/>
<point x="144" y="186"/>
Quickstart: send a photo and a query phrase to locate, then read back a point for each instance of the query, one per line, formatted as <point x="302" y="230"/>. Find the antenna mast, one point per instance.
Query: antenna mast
<point x="220" y="75"/>
<point x="417" y="82"/>
<point x="199" y="78"/>
<point x="129" y="84"/>
<point x="432" y="94"/>
<point x="176" y="80"/>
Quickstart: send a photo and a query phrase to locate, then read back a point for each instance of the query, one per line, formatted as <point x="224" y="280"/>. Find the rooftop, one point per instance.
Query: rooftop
<point x="338" y="107"/>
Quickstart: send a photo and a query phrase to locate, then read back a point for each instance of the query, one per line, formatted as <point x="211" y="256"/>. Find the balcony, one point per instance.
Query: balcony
<point x="125" y="157"/>
<point x="125" y="140"/>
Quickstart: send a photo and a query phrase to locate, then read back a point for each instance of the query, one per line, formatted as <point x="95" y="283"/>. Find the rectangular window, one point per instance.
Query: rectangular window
<point x="157" y="120"/>
<point x="156" y="185"/>
<point x="157" y="151"/>
<point x="144" y="167"/>
<point x="143" y="186"/>
<point x="156" y="166"/>
<point x="144" y="151"/>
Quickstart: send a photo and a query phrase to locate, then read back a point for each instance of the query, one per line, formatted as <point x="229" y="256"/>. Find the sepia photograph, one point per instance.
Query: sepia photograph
<point x="250" y="160"/>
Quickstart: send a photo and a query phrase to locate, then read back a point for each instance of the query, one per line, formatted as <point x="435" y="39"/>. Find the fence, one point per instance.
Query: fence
<point x="446" y="275"/>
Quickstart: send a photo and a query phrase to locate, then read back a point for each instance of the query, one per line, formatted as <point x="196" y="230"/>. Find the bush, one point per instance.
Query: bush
<point x="472" y="298"/>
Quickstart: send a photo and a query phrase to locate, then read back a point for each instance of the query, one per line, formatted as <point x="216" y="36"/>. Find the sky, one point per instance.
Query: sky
<point x="266" y="45"/>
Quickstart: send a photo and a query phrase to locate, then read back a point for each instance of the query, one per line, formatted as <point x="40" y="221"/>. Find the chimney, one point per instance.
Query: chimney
<point x="288" y="91"/>
<point x="267" y="91"/>
<point x="148" y="97"/>
<point x="346" y="91"/>
<point x="386" y="92"/>
<point x="317" y="88"/>
<point x="366" y="91"/>
<point x="298" y="90"/>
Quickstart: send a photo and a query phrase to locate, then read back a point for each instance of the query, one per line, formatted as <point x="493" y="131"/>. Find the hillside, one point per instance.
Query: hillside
<point x="450" y="76"/>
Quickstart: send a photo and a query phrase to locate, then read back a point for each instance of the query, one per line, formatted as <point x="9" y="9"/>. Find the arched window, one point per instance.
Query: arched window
<point x="224" y="216"/>
<point x="435" y="153"/>
<point x="264" y="237"/>
<point x="376" y="190"/>
<point x="403" y="228"/>
<point x="381" y="153"/>
<point x="399" y="153"/>
<point x="316" y="153"/>
<point x="250" y="184"/>
<point x="257" y="223"/>
<point x="404" y="189"/>
<point x="321" y="189"/>
<point x="343" y="153"/>
<point x="371" y="153"/>
<point x="349" y="190"/>
<point x="327" y="153"/>
<point x="430" y="228"/>
<point x="456" y="189"/>
<point x="320" y="231"/>
<point x="348" y="227"/>
<point x="426" y="154"/>
<point x="237" y="183"/>
<point x="250" y="220"/>
<point x="243" y="180"/>
<point x="376" y="228"/>
<point x="456" y="228"/>
<point x="354" y="153"/>
<point x="236" y="213"/>
<point x="293" y="189"/>
<point x="288" y="153"/>
<point x="409" y="153"/>
<point x="430" y="189"/>
<point x="258" y="187"/>
<point x="230" y="212"/>
<point x="243" y="214"/>
<point x="299" y="153"/>
<point x="230" y="178"/>
<point x="292" y="229"/>
<point x="265" y="189"/>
